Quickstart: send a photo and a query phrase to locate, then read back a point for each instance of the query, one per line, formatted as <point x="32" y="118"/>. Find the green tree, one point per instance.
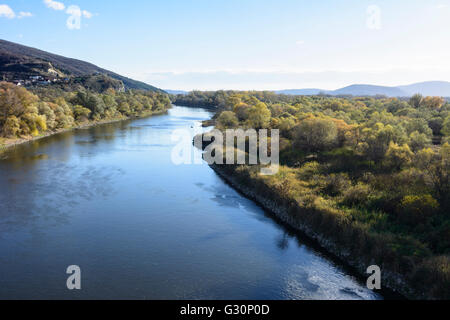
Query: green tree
<point x="227" y="119"/>
<point x="446" y="127"/>
<point x="11" y="127"/>
<point x="315" y="134"/>
<point x="398" y="156"/>
<point x="81" y="113"/>
<point x="259" y="116"/>
<point x="418" y="141"/>
<point x="416" y="100"/>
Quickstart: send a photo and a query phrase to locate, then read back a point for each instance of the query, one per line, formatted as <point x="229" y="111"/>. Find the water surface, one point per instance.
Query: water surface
<point x="110" y="200"/>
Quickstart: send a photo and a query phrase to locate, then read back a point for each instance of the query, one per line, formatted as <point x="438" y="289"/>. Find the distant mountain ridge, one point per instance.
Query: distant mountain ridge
<point x="176" y="91"/>
<point x="428" y="88"/>
<point x="18" y="61"/>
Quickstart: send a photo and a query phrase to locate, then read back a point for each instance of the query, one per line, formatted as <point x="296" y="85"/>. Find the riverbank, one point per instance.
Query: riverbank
<point x="10" y="143"/>
<point x="317" y="225"/>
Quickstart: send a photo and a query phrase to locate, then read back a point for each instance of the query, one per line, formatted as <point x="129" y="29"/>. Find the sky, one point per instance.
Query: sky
<point x="243" y="44"/>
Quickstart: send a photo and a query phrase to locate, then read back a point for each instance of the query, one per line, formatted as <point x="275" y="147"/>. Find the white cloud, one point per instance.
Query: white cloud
<point x="87" y="14"/>
<point x="23" y="14"/>
<point x="55" y="5"/>
<point x="6" y="11"/>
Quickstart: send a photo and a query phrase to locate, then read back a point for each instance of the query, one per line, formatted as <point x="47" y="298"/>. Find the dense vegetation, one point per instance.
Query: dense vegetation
<point x="372" y="174"/>
<point x="25" y="114"/>
<point x="203" y="99"/>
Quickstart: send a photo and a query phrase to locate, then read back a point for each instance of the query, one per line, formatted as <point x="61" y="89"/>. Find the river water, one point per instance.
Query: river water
<point x="110" y="200"/>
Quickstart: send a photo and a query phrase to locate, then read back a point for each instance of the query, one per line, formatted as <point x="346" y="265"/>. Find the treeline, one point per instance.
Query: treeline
<point x="24" y="113"/>
<point x="202" y="99"/>
<point x="373" y="173"/>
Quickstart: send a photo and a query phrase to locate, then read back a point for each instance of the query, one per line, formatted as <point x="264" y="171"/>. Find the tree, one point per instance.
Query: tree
<point x="419" y="125"/>
<point x="417" y="209"/>
<point x="49" y="114"/>
<point x="416" y="100"/>
<point x="11" y="127"/>
<point x="446" y="127"/>
<point x="227" y="119"/>
<point x="418" y="141"/>
<point x="259" y="116"/>
<point x="32" y="122"/>
<point x="14" y="101"/>
<point x="432" y="102"/>
<point x="376" y="141"/>
<point x="315" y="134"/>
<point x="81" y="113"/>
<point x="398" y="156"/>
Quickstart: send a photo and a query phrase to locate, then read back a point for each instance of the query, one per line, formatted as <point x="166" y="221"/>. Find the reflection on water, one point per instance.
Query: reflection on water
<point x="110" y="200"/>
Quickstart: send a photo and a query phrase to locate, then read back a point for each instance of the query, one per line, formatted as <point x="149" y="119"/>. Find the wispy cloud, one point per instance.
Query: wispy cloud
<point x="87" y="14"/>
<point x="55" y="5"/>
<point x="23" y="14"/>
<point x="75" y="13"/>
<point x="6" y="11"/>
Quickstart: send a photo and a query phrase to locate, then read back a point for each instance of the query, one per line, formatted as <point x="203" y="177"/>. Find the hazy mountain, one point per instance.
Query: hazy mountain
<point x="369" y="90"/>
<point x="21" y="62"/>
<point x="175" y="91"/>
<point x="430" y="88"/>
<point x="301" y="92"/>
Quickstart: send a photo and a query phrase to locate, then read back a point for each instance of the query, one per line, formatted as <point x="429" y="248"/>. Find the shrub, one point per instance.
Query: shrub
<point x="227" y="119"/>
<point x="417" y="209"/>
<point x="398" y="156"/>
<point x="357" y="194"/>
<point x="336" y="184"/>
<point x="315" y="134"/>
<point x="11" y="127"/>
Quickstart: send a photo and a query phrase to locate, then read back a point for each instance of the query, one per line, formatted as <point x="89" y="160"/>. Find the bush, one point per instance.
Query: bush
<point x="417" y="209"/>
<point x="315" y="134"/>
<point x="227" y="119"/>
<point x="11" y="127"/>
<point x="398" y="156"/>
<point x="336" y="184"/>
<point x="357" y="194"/>
<point x="433" y="277"/>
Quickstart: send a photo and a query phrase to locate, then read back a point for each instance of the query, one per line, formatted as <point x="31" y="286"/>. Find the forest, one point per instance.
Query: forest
<point x="370" y="173"/>
<point x="27" y="113"/>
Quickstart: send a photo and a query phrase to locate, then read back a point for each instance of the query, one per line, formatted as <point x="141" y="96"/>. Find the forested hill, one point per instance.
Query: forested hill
<point x="18" y="62"/>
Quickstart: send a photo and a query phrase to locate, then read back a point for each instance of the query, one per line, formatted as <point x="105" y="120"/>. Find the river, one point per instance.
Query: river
<point x="110" y="200"/>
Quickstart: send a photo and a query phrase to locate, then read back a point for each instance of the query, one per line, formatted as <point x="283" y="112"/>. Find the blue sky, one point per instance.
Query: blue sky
<point x="245" y="44"/>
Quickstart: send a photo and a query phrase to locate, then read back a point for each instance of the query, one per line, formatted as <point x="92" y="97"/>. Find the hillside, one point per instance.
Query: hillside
<point x="21" y="62"/>
<point x="301" y="92"/>
<point x="430" y="88"/>
<point x="369" y="90"/>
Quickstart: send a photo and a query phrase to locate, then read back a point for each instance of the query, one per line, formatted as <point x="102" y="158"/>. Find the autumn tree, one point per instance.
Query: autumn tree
<point x="416" y="100"/>
<point x="227" y="119"/>
<point x="315" y="134"/>
<point x="398" y="156"/>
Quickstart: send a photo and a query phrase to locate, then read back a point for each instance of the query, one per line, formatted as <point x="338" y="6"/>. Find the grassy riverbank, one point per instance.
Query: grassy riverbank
<point x="335" y="232"/>
<point x="369" y="178"/>
<point x="10" y="143"/>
